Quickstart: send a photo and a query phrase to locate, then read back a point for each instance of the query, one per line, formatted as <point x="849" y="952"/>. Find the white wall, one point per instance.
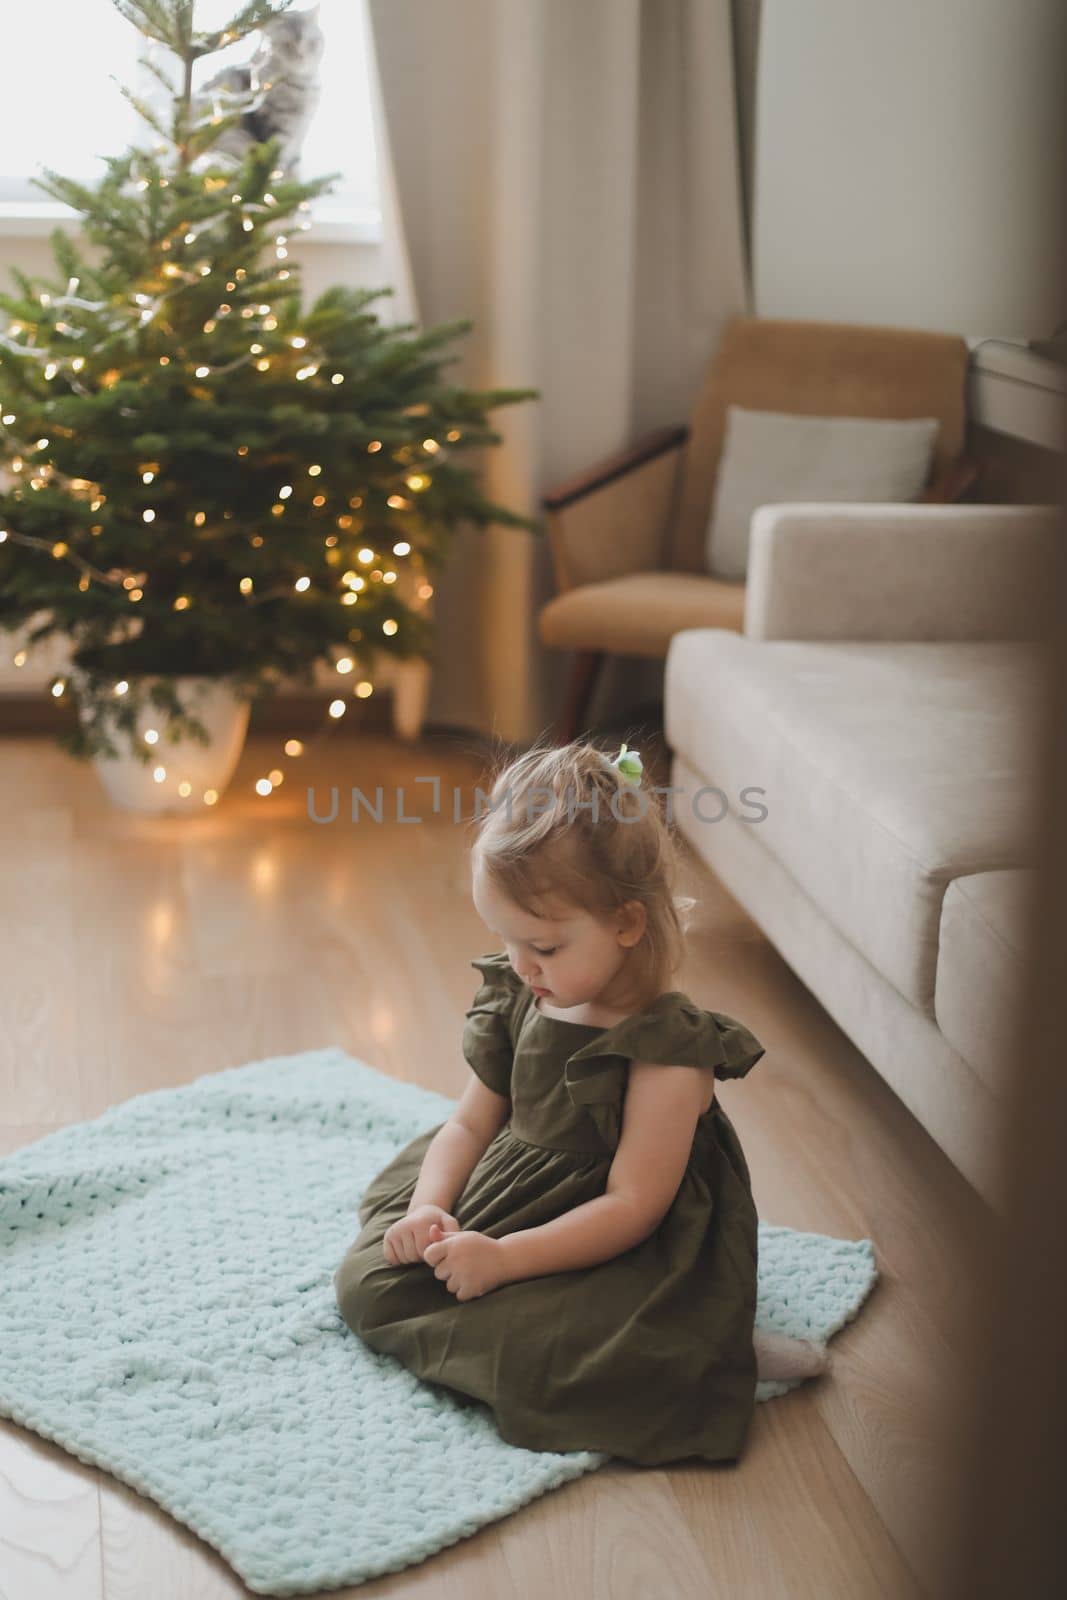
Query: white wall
<point x="908" y="166"/>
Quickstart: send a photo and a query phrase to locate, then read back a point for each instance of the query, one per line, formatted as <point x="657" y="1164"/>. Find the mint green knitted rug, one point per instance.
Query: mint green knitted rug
<point x="167" y="1313"/>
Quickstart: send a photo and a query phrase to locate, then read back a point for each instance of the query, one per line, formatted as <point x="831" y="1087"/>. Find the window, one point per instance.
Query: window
<point x="66" y="111"/>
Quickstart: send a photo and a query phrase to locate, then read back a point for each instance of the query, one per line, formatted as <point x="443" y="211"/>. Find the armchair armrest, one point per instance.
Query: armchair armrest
<point x="904" y="572"/>
<point x="613" y="518"/>
<point x="615" y="466"/>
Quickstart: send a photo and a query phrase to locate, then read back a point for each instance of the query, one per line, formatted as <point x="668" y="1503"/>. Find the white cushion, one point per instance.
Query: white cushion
<point x="889" y="770"/>
<point x="980" y="971"/>
<point x="772" y="456"/>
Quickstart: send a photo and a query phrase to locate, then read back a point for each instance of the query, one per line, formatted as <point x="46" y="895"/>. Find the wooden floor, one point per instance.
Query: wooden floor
<point x="138" y="953"/>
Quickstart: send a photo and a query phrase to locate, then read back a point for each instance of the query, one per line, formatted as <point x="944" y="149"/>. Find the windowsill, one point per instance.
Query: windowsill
<point x="1013" y="358"/>
<point x="330" y="224"/>
<point x="1013" y="390"/>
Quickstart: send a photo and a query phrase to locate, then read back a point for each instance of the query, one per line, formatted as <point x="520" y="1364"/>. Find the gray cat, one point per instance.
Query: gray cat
<point x="281" y="83"/>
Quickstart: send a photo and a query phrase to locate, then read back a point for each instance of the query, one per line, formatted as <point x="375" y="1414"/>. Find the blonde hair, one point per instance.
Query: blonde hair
<point x="564" y="827"/>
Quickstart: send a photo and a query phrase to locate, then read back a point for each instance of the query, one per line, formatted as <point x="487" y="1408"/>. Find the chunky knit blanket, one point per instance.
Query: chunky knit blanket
<point x="167" y="1313"/>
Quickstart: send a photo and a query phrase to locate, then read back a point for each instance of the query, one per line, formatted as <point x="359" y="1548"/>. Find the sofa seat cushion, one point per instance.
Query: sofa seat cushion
<point x="980" y="970"/>
<point x="639" y="613"/>
<point x="888" y="770"/>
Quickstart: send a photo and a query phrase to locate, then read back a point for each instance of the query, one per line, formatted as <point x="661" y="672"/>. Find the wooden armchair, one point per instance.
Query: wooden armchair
<point x="627" y="537"/>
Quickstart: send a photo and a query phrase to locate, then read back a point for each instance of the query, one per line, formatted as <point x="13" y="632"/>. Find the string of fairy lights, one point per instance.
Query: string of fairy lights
<point x="414" y="465"/>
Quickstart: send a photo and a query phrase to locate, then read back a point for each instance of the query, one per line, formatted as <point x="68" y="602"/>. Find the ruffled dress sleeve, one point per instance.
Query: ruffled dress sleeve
<point x="672" y="1031"/>
<point x="488" y="1043"/>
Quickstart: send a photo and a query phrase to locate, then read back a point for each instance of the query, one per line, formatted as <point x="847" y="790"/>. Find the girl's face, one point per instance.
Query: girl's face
<point x="570" y="959"/>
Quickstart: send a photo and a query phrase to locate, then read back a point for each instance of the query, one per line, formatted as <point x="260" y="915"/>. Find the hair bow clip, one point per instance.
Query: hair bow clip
<point x="629" y="764"/>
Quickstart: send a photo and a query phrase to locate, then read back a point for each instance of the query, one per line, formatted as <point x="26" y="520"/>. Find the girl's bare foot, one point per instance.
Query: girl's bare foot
<point x="780" y="1357"/>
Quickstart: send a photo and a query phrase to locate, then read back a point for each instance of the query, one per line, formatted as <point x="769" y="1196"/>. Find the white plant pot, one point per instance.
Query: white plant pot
<point x="205" y="769"/>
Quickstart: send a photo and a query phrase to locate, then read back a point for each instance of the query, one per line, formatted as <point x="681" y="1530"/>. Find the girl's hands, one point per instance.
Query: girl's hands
<point x="405" y="1240"/>
<point x="468" y="1263"/>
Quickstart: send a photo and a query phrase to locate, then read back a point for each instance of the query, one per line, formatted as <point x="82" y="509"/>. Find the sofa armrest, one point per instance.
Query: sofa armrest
<point x="613" y="519"/>
<point x="906" y="572"/>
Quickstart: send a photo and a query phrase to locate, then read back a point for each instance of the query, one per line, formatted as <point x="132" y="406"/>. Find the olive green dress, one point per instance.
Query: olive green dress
<point x="647" y="1356"/>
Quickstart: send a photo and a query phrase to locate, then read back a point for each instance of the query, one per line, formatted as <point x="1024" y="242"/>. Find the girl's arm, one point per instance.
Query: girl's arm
<point x="659" y="1119"/>
<point x="458" y="1146"/>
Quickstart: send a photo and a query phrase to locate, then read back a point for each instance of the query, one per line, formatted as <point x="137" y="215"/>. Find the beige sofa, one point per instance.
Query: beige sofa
<point x="883" y="695"/>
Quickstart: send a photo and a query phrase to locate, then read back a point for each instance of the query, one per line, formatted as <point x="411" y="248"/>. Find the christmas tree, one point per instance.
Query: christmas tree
<point x="201" y="476"/>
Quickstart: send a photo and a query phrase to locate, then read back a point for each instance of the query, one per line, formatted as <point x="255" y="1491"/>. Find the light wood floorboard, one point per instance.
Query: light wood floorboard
<point x="141" y="953"/>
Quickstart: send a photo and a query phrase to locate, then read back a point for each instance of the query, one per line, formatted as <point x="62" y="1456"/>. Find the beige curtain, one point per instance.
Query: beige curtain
<point x="402" y="304"/>
<point x="566" y="175"/>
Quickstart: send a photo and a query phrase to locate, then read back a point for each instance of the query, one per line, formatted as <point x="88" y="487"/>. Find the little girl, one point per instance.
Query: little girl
<point x="576" y="1245"/>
